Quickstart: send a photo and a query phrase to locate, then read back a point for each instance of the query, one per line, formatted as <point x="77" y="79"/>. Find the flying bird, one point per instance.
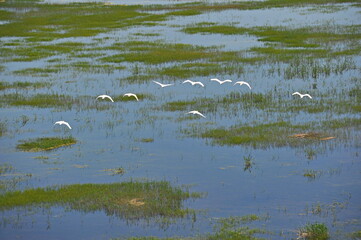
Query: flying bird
<point x="105" y="96"/>
<point x="194" y="83"/>
<point x="243" y="82"/>
<point x="63" y="122"/>
<point x="219" y="81"/>
<point x="131" y="95"/>
<point x="302" y="95"/>
<point x="196" y="112"/>
<point x="163" y="85"/>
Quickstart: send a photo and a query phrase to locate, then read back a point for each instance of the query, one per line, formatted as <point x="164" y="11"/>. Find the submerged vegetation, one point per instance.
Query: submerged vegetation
<point x="45" y="144"/>
<point x="130" y="200"/>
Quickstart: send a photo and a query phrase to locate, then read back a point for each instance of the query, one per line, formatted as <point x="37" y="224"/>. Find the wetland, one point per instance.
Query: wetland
<point x="262" y="164"/>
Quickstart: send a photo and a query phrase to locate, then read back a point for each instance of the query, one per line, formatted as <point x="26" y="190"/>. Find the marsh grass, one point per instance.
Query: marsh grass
<point x="276" y="134"/>
<point x="2" y="128"/>
<point x="39" y="100"/>
<point x="37" y="72"/>
<point x="159" y="198"/>
<point x="5" y="168"/>
<point x="312" y="174"/>
<point x="231" y="228"/>
<point x="45" y="144"/>
<point x="157" y="52"/>
<point x="314" y="231"/>
<point x="21" y="85"/>
<point x="58" y="101"/>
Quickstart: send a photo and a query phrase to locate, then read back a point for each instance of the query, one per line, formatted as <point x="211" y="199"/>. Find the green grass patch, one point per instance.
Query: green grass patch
<point x="21" y="85"/>
<point x="58" y="101"/>
<point x="178" y="105"/>
<point x="130" y="200"/>
<point x="204" y="28"/>
<point x="276" y="134"/>
<point x="45" y="144"/>
<point x="271" y="134"/>
<point x="2" y="128"/>
<point x="315" y="231"/>
<point x="157" y="52"/>
<point x="40" y="100"/>
<point x="37" y="72"/>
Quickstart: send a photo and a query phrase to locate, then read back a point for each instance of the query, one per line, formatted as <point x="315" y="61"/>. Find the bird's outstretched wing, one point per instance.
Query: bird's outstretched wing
<point x="243" y="82"/>
<point x="131" y="95"/>
<point x="199" y="83"/>
<point x="163" y="85"/>
<point x="196" y="112"/>
<point x="186" y="81"/>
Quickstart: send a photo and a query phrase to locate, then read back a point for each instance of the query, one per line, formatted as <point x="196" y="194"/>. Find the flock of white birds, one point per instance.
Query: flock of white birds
<point x="163" y="85"/>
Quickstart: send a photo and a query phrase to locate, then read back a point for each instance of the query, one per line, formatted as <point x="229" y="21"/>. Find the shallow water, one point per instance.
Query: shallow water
<point x="274" y="186"/>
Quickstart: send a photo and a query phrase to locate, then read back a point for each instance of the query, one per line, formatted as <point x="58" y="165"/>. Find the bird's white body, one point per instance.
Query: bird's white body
<point x="197" y="113"/>
<point x="243" y="83"/>
<point x="194" y="83"/>
<point x="105" y="96"/>
<point x="131" y="95"/>
<point x="221" y="82"/>
<point x="302" y="95"/>
<point x="163" y="85"/>
<point x="63" y="122"/>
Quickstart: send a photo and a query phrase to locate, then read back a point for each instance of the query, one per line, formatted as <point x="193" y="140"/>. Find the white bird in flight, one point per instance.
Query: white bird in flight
<point x="194" y="83"/>
<point x="219" y="81"/>
<point x="241" y="83"/>
<point x="63" y="122"/>
<point x="163" y="85"/>
<point x="131" y="95"/>
<point x="196" y="112"/>
<point x="105" y="96"/>
<point x="302" y="95"/>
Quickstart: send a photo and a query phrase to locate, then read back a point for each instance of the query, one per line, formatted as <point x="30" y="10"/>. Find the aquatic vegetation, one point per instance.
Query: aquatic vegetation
<point x="2" y="128"/>
<point x="211" y="28"/>
<point x="311" y="174"/>
<point x="276" y="134"/>
<point x="356" y="235"/>
<point x="59" y="101"/>
<point x="45" y="144"/>
<point x="147" y="140"/>
<point x="271" y="134"/>
<point x="231" y="228"/>
<point x="315" y="231"/>
<point x="178" y="105"/>
<point x="5" y="168"/>
<point x="55" y="21"/>
<point x="159" y="198"/>
<point x="20" y="85"/>
<point x="36" y="72"/>
<point x="158" y="52"/>
<point x="115" y="171"/>
<point x="39" y="100"/>
<point x="88" y="67"/>
<point x="248" y="163"/>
